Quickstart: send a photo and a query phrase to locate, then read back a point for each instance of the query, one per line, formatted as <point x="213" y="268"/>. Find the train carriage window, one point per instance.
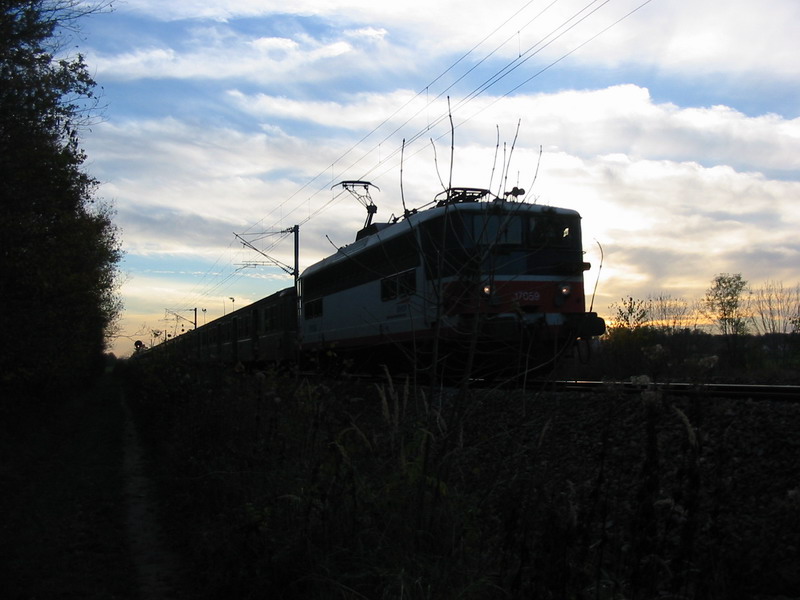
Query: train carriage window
<point x="245" y="322"/>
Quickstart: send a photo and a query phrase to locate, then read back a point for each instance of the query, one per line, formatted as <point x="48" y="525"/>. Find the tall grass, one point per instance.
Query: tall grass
<point x="291" y="488"/>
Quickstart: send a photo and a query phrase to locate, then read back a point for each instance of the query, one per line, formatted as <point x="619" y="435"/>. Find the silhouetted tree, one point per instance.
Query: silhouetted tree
<point x="58" y="247"/>
<point x="726" y="304"/>
<point x="629" y="332"/>
<point x="631" y="313"/>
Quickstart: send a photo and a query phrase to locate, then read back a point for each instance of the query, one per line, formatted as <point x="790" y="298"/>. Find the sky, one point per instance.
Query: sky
<point x="673" y="127"/>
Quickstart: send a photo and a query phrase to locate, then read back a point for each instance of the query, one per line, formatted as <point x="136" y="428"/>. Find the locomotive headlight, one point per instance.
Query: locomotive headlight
<point x="565" y="289"/>
<point x="486" y="290"/>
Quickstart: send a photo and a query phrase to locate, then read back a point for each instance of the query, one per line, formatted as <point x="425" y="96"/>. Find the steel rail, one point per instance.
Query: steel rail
<point x="789" y="393"/>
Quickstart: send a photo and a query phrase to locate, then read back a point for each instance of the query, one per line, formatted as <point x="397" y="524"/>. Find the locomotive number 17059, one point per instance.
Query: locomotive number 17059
<point x="525" y="296"/>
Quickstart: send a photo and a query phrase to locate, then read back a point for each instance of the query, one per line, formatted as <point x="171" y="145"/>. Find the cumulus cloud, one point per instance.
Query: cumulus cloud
<point x="620" y="119"/>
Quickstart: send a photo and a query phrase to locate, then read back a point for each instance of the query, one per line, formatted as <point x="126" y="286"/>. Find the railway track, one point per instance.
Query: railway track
<point x="787" y="393"/>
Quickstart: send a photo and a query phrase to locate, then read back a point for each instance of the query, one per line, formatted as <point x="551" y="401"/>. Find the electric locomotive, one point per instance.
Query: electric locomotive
<point x="477" y="283"/>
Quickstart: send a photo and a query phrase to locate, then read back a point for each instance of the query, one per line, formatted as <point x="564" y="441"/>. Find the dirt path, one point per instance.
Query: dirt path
<point x="158" y="568"/>
<point x="77" y="512"/>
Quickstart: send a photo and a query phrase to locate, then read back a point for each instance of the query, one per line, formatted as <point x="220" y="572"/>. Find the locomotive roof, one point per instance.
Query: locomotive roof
<point x="457" y="199"/>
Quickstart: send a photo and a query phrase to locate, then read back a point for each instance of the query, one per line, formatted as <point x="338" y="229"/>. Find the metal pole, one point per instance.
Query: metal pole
<point x="296" y="254"/>
<point x="298" y="299"/>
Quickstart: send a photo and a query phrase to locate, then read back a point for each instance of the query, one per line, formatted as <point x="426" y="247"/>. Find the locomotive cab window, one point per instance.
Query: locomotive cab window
<point x="497" y="230"/>
<point x="553" y="231"/>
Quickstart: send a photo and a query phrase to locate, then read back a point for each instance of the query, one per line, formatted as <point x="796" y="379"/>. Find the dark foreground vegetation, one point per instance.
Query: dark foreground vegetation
<point x="282" y="487"/>
<point x="692" y="356"/>
<point x="63" y="506"/>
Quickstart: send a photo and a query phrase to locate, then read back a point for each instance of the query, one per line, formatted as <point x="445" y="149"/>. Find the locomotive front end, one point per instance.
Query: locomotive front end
<point x="508" y="277"/>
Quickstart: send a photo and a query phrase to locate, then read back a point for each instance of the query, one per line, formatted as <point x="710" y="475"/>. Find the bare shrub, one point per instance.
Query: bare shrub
<point x="775" y="309"/>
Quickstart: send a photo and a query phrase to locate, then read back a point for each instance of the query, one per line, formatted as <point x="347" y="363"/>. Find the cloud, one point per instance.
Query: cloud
<point x="353" y="112"/>
<point x="625" y="119"/>
<point x="216" y="55"/>
<point x="719" y="36"/>
<point x="672" y="226"/>
<point x="369" y="33"/>
<point x="716" y="36"/>
<point x="620" y="119"/>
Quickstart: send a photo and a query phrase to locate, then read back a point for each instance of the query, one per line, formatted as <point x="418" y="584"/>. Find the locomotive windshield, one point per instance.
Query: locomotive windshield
<point x="555" y="231"/>
<point x="490" y="230"/>
<point x="505" y="244"/>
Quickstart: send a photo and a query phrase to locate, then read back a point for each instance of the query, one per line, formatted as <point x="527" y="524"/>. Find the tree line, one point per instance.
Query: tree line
<point x="735" y="328"/>
<point x="729" y="307"/>
<point x="59" y="248"/>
